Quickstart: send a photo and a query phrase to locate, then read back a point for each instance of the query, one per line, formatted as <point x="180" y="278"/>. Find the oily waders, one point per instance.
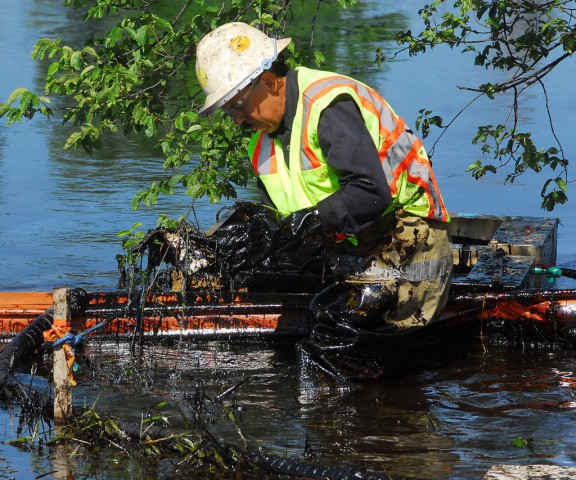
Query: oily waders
<point x="403" y="285"/>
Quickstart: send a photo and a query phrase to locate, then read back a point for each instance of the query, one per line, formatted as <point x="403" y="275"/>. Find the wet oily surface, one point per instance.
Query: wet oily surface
<point x="448" y="419"/>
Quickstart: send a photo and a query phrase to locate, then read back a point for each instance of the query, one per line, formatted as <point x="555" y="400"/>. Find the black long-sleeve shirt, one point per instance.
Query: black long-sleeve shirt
<point x="348" y="148"/>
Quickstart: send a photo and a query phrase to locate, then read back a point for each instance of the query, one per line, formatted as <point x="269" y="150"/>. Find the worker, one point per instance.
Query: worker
<point x="333" y="159"/>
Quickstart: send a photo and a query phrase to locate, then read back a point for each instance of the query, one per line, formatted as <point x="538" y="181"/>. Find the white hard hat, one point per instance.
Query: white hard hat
<point x="230" y="57"/>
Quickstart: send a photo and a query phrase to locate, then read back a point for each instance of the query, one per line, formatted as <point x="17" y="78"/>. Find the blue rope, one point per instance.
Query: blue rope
<point x="75" y="340"/>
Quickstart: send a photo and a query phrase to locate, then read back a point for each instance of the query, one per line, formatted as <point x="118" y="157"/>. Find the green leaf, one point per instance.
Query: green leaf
<point x="53" y="68"/>
<point x="88" y="69"/>
<point x="114" y="37"/>
<point x="16" y="94"/>
<point x="163" y="23"/>
<point x="3" y="109"/>
<point x="474" y="166"/>
<point x="561" y="184"/>
<point x="192" y="116"/>
<point x="75" y="60"/>
<point x="73" y="140"/>
<point x="519" y="442"/>
<point x="569" y="43"/>
<point x="319" y="58"/>
<point x="141" y="34"/>
<point x="90" y="51"/>
<point x="130" y="231"/>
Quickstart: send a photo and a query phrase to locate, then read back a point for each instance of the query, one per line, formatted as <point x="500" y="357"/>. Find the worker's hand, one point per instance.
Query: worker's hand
<point x="247" y="240"/>
<point x="303" y="223"/>
<point x="235" y="244"/>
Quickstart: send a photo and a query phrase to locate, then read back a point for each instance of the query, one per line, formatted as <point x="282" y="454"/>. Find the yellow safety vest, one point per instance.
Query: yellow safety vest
<point x="309" y="179"/>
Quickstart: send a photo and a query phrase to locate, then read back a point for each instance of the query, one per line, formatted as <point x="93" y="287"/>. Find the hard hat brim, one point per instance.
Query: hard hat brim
<point x="221" y="97"/>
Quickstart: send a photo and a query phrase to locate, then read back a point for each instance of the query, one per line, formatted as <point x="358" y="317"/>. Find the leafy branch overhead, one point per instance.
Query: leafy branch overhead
<point x="525" y="39"/>
<point x="130" y="78"/>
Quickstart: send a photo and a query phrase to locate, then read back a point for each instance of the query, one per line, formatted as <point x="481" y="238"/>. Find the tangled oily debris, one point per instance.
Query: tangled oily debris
<point x="250" y="241"/>
<point x="154" y="437"/>
<point x="250" y="238"/>
<point x="182" y="247"/>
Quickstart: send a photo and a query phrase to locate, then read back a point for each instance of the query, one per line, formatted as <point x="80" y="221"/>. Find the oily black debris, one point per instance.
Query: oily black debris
<point x="250" y="239"/>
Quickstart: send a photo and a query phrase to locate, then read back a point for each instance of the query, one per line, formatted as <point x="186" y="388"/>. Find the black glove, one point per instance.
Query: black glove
<point x="303" y="223"/>
<point x="234" y="245"/>
<point x="247" y="239"/>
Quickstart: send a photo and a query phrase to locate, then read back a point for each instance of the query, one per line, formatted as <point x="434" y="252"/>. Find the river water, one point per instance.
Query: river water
<point x="60" y="212"/>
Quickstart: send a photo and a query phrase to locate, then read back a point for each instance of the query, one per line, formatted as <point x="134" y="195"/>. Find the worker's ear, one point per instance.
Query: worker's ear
<point x="271" y="81"/>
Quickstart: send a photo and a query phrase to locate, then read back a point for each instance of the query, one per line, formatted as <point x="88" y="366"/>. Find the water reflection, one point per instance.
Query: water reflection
<point x="60" y="211"/>
<point x="349" y="40"/>
<point x="453" y="421"/>
<point x="510" y="396"/>
<point x="385" y="426"/>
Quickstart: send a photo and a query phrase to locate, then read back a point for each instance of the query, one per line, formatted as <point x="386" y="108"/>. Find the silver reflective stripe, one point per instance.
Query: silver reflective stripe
<point x="417" y="168"/>
<point x="387" y="118"/>
<point x="398" y="150"/>
<point x="265" y="155"/>
<point x="423" y="171"/>
<point x="414" y="272"/>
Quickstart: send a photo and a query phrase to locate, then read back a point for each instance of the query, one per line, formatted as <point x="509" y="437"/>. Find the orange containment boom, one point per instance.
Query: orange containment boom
<point x="533" y="317"/>
<point x="168" y="314"/>
<point x="232" y="314"/>
<point x="541" y="306"/>
<point x="18" y="309"/>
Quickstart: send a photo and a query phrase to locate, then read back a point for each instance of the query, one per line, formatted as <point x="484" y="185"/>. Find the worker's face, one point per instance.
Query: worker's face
<point x="261" y="105"/>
